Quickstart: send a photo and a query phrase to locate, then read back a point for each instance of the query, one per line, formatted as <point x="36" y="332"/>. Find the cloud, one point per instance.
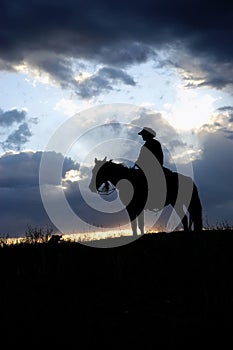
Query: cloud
<point x="10" y="117"/>
<point x="125" y="53"/>
<point x="172" y="143"/>
<point x="70" y="74"/>
<point x="103" y="81"/>
<point x="114" y="139"/>
<point x="196" y="37"/>
<point x="205" y="73"/>
<point x="15" y="124"/>
<point x="20" y="188"/>
<point x="21" y="202"/>
<point x="22" y="169"/>
<point x="17" y="138"/>
<point x="225" y="108"/>
<point x="213" y="171"/>
<point x="228" y="110"/>
<point x="67" y="106"/>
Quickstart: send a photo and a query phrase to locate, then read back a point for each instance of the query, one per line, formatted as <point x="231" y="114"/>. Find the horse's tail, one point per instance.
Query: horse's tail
<point x="195" y="210"/>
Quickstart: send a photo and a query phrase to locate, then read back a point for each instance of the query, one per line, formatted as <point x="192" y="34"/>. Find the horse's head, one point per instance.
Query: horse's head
<point x="99" y="176"/>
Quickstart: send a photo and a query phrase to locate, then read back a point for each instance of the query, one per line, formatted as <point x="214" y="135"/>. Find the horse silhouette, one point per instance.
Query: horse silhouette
<point x="133" y="191"/>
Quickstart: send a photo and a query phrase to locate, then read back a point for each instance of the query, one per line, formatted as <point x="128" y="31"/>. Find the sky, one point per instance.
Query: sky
<point x="78" y="79"/>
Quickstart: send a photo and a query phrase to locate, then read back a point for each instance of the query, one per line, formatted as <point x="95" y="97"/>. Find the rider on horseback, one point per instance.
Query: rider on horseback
<point x="150" y="161"/>
<point x="152" y="145"/>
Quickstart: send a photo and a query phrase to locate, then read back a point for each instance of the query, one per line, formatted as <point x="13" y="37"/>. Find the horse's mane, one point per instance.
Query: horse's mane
<point x="122" y="165"/>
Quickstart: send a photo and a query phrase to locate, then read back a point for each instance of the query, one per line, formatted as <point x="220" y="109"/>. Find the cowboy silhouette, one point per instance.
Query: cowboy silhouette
<point x="150" y="162"/>
<point x="153" y="146"/>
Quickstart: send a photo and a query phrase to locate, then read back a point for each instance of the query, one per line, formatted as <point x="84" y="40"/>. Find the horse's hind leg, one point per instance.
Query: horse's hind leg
<point x="141" y="222"/>
<point x="183" y="217"/>
<point x="133" y="221"/>
<point x="197" y="223"/>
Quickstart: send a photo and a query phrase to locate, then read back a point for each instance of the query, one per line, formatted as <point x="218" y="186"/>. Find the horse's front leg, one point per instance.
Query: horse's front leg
<point x="183" y="217"/>
<point x="133" y="221"/>
<point x="185" y="223"/>
<point x="141" y="222"/>
<point x="134" y="227"/>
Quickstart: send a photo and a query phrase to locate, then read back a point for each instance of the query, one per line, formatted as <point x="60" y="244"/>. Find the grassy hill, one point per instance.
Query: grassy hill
<point x="162" y="289"/>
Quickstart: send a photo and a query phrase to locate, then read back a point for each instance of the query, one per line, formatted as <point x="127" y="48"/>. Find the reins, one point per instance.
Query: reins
<point x="104" y="193"/>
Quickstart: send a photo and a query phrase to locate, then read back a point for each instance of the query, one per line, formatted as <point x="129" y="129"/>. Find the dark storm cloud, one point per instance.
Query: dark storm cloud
<point x="125" y="53"/>
<point x="58" y="67"/>
<point x="229" y="134"/>
<point x="213" y="174"/>
<point x="103" y="80"/>
<point x="119" y="34"/>
<point x="8" y="118"/>
<point x="17" y="139"/>
<point x="15" y="127"/>
<point x="63" y="71"/>
<point x="210" y="74"/>
<point x="84" y="29"/>
<point x="21" y="203"/>
<point x="22" y="169"/>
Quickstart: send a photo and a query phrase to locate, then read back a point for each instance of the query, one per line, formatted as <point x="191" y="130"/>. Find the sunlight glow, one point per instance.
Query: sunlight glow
<point x="97" y="235"/>
<point x="82" y="76"/>
<point x="73" y="176"/>
<point x="36" y="74"/>
<point x="191" y="110"/>
<point x="67" y="106"/>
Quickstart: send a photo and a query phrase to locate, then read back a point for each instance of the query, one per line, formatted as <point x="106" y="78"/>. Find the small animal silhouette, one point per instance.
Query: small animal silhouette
<point x="55" y="239"/>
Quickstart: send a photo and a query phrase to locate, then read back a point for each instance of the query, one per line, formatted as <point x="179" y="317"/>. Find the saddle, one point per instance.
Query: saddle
<point x="140" y="174"/>
<point x="154" y="196"/>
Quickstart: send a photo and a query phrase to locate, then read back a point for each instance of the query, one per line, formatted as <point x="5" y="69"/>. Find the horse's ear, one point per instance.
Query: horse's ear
<point x="104" y="160"/>
<point x="96" y="160"/>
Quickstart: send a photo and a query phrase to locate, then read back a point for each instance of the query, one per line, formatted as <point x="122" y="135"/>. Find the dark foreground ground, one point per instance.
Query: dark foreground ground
<point x="163" y="290"/>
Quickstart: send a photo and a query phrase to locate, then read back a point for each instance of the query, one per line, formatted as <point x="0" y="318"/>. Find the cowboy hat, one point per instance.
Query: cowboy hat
<point x="147" y="130"/>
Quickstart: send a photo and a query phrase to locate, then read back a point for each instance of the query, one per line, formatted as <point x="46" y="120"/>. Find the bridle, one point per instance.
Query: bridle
<point x="105" y="191"/>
